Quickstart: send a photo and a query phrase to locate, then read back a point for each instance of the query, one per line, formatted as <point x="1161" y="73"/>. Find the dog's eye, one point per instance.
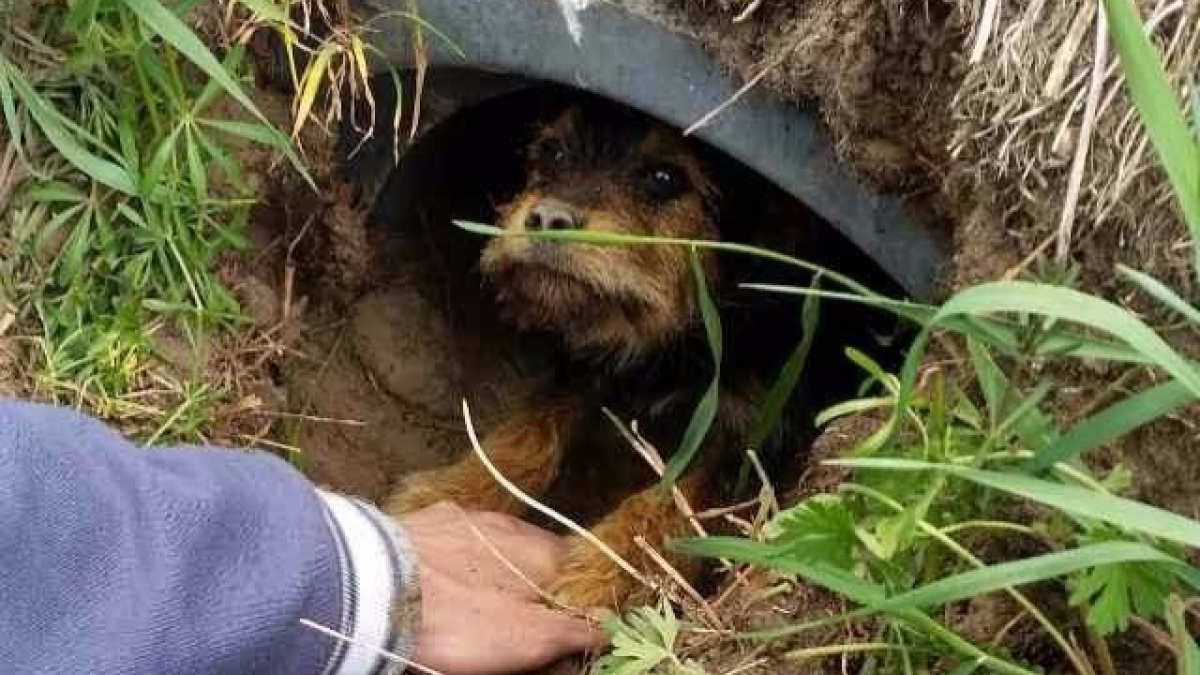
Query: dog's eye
<point x="664" y="181"/>
<point x="551" y="152"/>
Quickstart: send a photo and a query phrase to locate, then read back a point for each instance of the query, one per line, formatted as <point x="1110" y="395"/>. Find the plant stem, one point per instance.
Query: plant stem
<point x="835" y="650"/>
<point x="1077" y="661"/>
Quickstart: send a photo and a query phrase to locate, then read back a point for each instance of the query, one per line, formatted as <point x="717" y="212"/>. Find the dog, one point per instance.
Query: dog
<point x="623" y="324"/>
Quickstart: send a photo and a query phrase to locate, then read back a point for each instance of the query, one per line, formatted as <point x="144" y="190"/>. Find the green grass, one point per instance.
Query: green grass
<point x="976" y="452"/>
<point x="132" y="130"/>
<point x="122" y="117"/>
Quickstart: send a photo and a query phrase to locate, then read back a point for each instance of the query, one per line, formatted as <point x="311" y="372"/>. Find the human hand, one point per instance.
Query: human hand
<point x="478" y="617"/>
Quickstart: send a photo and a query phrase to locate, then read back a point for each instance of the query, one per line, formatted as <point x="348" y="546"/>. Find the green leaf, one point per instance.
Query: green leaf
<point x="197" y="170"/>
<point x="164" y="23"/>
<point x="82" y="13"/>
<point x="893" y="534"/>
<point x="1026" y="410"/>
<point x="158" y="18"/>
<point x="1088" y="504"/>
<point x="774" y="557"/>
<point x="1115" y="593"/>
<point x="618" y="239"/>
<point x="1162" y="293"/>
<point x="264" y="135"/>
<point x="55" y="192"/>
<point x="268" y="10"/>
<point x="853" y="407"/>
<point x="1165" y="122"/>
<point x="62" y="133"/>
<point x="1112" y="423"/>
<point x="1020" y="572"/>
<point x="785" y="385"/>
<point x="642" y="641"/>
<point x="1034" y="428"/>
<point x="1188" y="654"/>
<point x="820" y="529"/>
<point x="706" y="410"/>
<point x="1071" y="305"/>
<point x="992" y="381"/>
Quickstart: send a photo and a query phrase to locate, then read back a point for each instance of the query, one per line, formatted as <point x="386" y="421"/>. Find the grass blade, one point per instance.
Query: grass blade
<point x="267" y="10"/>
<point x="257" y="133"/>
<point x="1088" y="504"/>
<point x="1187" y="654"/>
<point x="765" y="555"/>
<point x="1071" y="305"/>
<point x="310" y="87"/>
<point x="1165" y="122"/>
<point x="839" y="581"/>
<point x="789" y="377"/>
<point x="1112" y="423"/>
<point x="163" y="22"/>
<point x="706" y="410"/>
<point x="61" y="133"/>
<point x="1159" y="291"/>
<point x="1008" y="575"/>
<point x="615" y="239"/>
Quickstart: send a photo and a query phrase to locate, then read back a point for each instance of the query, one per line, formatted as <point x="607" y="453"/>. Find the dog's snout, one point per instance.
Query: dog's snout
<point x="552" y="214"/>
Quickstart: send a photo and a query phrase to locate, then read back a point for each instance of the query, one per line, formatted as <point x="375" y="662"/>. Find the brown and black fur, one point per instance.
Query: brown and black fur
<point x="624" y="330"/>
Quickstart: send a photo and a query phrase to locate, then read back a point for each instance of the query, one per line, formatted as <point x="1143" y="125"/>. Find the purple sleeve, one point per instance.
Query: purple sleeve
<point x="118" y="560"/>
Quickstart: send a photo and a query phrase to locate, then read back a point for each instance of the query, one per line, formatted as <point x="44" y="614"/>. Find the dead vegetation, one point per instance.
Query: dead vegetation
<point x="1010" y="118"/>
<point x="1043" y="116"/>
<point x="1009" y="111"/>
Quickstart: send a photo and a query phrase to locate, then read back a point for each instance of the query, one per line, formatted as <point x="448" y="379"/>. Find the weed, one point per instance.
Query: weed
<point x="115" y="108"/>
<point x="976" y="459"/>
<point x="644" y="642"/>
<point x="885" y="540"/>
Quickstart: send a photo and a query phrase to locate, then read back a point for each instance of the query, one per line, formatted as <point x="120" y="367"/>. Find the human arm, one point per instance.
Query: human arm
<point x="180" y="560"/>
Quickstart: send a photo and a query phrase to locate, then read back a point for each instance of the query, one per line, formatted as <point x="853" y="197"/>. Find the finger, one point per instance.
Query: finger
<point x="501" y="636"/>
<point x="561" y="634"/>
<point x="575" y="634"/>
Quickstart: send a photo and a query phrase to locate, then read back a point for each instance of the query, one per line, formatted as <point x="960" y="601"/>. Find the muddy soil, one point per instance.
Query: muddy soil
<point x="370" y="373"/>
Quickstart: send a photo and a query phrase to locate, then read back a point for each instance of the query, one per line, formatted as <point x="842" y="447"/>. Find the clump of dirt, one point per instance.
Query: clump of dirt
<point x="369" y="361"/>
<point x="878" y="71"/>
<point x="1035" y="78"/>
<point x="760" y="600"/>
<point x="979" y="109"/>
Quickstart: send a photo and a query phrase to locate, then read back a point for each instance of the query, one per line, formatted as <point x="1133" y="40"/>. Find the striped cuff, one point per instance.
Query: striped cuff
<point x="381" y="599"/>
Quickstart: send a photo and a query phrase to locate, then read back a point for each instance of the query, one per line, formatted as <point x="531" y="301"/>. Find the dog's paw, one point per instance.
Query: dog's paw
<point x="590" y="580"/>
<point x="414" y="494"/>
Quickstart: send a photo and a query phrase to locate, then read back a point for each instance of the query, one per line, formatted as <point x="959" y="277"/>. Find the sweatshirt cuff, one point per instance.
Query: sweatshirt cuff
<point x="381" y="600"/>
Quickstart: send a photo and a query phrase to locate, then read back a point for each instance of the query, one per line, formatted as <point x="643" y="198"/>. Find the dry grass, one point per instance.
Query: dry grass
<point x="1042" y="118"/>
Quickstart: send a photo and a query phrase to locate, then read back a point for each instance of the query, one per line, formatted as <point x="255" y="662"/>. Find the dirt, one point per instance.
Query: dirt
<point x="762" y="600"/>
<point x="989" y="147"/>
<point x="11" y="376"/>
<point x="754" y="599"/>
<point x="876" y="72"/>
<point x="356" y="365"/>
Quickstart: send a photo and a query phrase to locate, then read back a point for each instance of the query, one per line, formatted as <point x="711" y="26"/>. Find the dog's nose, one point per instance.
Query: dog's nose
<point x="552" y="214"/>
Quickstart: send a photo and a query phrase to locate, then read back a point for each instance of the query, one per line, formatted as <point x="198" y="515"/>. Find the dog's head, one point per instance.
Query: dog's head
<point x="599" y="168"/>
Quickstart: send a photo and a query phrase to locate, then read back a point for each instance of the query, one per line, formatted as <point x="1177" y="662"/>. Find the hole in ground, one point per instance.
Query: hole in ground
<point x="424" y="330"/>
